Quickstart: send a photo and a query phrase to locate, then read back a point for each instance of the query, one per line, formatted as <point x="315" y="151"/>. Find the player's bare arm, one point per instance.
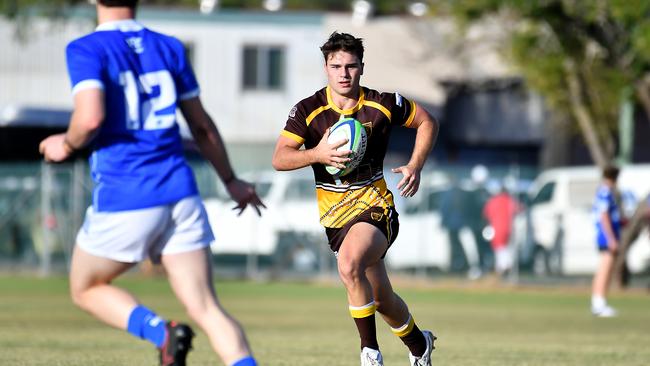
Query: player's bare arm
<point x="211" y="145"/>
<point x="85" y="122"/>
<point x="425" y="138"/>
<point x="288" y="156"/>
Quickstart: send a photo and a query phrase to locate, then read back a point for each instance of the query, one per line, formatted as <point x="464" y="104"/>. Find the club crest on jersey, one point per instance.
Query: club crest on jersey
<point x="376" y="216"/>
<point x="135" y="43"/>
<point x="292" y="112"/>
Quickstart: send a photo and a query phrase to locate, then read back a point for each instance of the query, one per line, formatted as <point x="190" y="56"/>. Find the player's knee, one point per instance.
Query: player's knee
<point x="77" y="295"/>
<point x="350" y="272"/>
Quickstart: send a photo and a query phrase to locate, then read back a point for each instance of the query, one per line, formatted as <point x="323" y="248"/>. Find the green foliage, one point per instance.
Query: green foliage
<point x="641" y="40"/>
<point x="15" y="8"/>
<point x="608" y="41"/>
<point x="545" y="65"/>
<point x="12" y="8"/>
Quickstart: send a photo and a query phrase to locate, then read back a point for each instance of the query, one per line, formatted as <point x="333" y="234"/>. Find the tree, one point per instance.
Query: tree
<point x="587" y="58"/>
<point x="584" y="57"/>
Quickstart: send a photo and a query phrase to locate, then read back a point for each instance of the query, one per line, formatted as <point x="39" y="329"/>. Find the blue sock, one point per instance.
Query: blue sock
<point x="246" y="361"/>
<point x="145" y="324"/>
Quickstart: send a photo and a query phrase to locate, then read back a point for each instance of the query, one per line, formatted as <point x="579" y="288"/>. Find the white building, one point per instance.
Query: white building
<point x="253" y="66"/>
<point x="278" y="50"/>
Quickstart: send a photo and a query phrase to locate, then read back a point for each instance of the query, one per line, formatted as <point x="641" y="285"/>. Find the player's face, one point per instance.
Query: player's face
<point x="344" y="70"/>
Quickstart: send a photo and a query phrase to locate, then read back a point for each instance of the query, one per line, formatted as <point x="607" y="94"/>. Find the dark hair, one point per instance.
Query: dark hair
<point x="611" y="172"/>
<point x="343" y="42"/>
<point x="119" y="3"/>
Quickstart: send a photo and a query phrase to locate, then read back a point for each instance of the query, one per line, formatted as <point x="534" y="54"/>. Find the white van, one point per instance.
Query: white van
<point x="558" y="230"/>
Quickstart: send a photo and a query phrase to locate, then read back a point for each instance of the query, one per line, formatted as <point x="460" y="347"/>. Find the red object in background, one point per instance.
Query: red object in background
<point x="499" y="211"/>
<point x="50" y="222"/>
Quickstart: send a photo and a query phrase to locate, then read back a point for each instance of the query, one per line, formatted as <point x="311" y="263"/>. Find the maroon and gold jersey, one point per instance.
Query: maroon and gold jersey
<point x="342" y="199"/>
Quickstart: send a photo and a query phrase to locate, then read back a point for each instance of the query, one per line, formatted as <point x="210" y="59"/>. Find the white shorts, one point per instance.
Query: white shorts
<point x="503" y="259"/>
<point x="131" y="236"/>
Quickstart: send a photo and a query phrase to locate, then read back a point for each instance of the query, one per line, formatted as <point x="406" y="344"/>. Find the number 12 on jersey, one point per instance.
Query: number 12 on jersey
<point x="152" y="98"/>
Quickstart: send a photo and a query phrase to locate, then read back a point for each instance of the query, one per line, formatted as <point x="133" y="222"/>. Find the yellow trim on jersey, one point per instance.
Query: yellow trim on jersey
<point x="405" y="329"/>
<point x="293" y="136"/>
<point x="376" y="105"/>
<point x="316" y="112"/>
<point x="363" y="311"/>
<point x="338" y="208"/>
<point x="411" y="115"/>
<point x="346" y="112"/>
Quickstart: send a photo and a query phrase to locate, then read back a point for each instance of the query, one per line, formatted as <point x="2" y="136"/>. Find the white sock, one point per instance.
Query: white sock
<point x="598" y="301"/>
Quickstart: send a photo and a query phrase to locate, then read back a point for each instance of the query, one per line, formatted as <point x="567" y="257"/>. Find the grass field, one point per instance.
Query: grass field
<point x="308" y="324"/>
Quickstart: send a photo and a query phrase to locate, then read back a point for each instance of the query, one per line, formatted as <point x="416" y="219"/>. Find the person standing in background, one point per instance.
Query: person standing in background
<point x="476" y="197"/>
<point x="453" y="218"/>
<point x="500" y="211"/>
<point x="608" y="218"/>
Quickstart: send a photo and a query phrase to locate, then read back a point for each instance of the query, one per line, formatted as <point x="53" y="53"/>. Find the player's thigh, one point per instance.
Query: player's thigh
<point x="87" y="270"/>
<point x="606" y="259"/>
<point x="190" y="275"/>
<point x="363" y="246"/>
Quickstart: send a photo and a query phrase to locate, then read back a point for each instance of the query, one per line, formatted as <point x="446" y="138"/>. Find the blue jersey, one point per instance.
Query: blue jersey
<point x="137" y="158"/>
<point x="605" y="202"/>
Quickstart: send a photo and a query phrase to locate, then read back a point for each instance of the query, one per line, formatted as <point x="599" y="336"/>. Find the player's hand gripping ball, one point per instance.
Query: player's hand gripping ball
<point x="355" y="133"/>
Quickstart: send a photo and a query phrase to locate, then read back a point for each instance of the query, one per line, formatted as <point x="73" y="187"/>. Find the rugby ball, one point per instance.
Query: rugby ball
<point x="352" y="130"/>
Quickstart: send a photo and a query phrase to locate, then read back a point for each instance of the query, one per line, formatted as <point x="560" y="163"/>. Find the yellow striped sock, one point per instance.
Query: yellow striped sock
<point x="404" y="329"/>
<point x="363" y="311"/>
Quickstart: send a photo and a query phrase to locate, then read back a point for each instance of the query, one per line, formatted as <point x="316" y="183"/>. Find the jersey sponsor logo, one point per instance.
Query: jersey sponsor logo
<point x="398" y="99"/>
<point x="135" y="43"/>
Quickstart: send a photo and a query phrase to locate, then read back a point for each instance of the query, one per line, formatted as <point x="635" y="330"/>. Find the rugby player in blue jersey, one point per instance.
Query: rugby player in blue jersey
<point x="608" y="220"/>
<point x="127" y="83"/>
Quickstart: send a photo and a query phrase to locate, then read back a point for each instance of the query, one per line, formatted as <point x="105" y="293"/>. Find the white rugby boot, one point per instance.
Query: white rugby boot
<point x="604" y="311"/>
<point x="425" y="359"/>
<point x="371" y="357"/>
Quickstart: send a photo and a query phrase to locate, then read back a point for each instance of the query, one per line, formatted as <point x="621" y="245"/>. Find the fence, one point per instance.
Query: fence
<point x="42" y="206"/>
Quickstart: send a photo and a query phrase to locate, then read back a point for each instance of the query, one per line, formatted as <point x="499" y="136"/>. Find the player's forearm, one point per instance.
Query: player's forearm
<point x="212" y="147"/>
<point x="608" y="228"/>
<point x="286" y="158"/>
<point x="207" y="137"/>
<point x="425" y="138"/>
<point x="83" y="128"/>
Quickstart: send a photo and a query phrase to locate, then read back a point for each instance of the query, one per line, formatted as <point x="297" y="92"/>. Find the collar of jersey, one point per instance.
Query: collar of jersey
<point x="127" y="25"/>
<point x="345" y="112"/>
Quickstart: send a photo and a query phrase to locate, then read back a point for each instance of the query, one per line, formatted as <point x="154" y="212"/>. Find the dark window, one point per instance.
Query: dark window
<point x="545" y="194"/>
<point x="263" y="68"/>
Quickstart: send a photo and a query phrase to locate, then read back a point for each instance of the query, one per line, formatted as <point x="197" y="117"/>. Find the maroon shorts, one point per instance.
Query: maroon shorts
<point x="386" y="220"/>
